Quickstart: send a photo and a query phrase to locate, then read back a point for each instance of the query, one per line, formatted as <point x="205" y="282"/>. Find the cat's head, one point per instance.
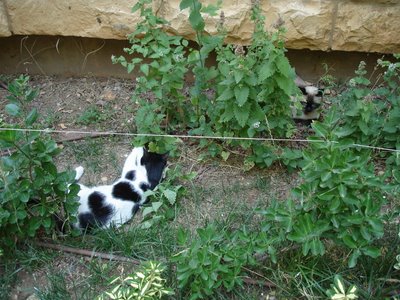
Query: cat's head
<point x="155" y="164"/>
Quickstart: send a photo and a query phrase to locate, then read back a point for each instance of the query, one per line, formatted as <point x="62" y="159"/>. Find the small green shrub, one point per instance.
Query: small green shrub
<point x="144" y="284"/>
<point x="213" y="259"/>
<point x="162" y="74"/>
<point x="149" y="119"/>
<point x="32" y="191"/>
<point x="92" y="115"/>
<point x="246" y="95"/>
<point x="341" y="198"/>
<point x="163" y="205"/>
<point x="371" y="115"/>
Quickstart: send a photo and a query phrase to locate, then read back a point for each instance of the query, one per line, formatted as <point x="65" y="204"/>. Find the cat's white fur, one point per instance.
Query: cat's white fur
<point x="123" y="209"/>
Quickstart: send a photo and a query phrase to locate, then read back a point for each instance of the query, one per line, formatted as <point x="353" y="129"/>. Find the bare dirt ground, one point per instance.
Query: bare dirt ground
<point x="104" y="104"/>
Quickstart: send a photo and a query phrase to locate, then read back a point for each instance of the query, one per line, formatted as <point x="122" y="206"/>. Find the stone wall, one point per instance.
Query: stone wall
<point x="347" y="25"/>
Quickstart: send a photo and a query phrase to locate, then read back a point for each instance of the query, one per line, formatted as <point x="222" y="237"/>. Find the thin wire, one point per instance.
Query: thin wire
<point x="184" y="136"/>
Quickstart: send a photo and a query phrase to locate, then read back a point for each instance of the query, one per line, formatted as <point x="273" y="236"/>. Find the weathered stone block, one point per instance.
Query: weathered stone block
<point x="86" y="18"/>
<point x="351" y="25"/>
<point x="4" y="28"/>
<point x="370" y="26"/>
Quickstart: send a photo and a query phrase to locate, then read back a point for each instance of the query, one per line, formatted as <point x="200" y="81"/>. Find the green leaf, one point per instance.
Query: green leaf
<point x="136" y="7"/>
<point x="225" y="155"/>
<point x="31" y="94"/>
<point x="32" y="117"/>
<point x="8" y="135"/>
<point x="170" y="195"/>
<point x="241" y="94"/>
<point x="317" y="247"/>
<point x="238" y="74"/>
<point x="130" y="67"/>
<point x="346" y="130"/>
<point x="156" y="205"/>
<point x="46" y="222"/>
<point x="339" y="284"/>
<point x="210" y="9"/>
<point x="228" y="114"/>
<point x="182" y="236"/>
<point x="145" y="69"/>
<point x="283" y="66"/>
<point x="196" y="20"/>
<point x="371" y="251"/>
<point x="21" y="214"/>
<point x="320" y="129"/>
<point x="185" y="4"/>
<point x="13" y="109"/>
<point x="285" y="84"/>
<point x="349" y="242"/>
<point x="342" y="190"/>
<point x="242" y="113"/>
<point x="266" y="71"/>
<point x="226" y="94"/>
<point x="146" y="211"/>
<point x="353" y="258"/>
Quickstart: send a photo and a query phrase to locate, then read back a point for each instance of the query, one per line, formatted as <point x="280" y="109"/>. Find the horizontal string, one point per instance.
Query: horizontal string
<point x="183" y="136"/>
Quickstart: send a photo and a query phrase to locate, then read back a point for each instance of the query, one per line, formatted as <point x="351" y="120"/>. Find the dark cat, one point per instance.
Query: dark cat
<point x="115" y="204"/>
<point x="311" y="101"/>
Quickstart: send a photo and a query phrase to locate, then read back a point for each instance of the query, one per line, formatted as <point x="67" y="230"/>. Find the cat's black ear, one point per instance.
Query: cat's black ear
<point x="145" y="156"/>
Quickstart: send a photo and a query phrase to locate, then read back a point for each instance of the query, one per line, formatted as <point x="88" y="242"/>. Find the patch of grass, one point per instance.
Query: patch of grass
<point x="299" y="277"/>
<point x="31" y="257"/>
<point x="51" y="118"/>
<point x="89" y="152"/>
<point x="8" y="271"/>
<point x="93" y="115"/>
<point x="145" y="244"/>
<point x="56" y="289"/>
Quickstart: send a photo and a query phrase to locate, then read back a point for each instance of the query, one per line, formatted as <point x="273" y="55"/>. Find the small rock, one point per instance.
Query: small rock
<point x="101" y="103"/>
<point x="109" y="95"/>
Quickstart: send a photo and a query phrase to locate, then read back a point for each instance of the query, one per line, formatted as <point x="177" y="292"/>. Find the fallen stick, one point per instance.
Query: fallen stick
<point x="252" y="281"/>
<point x="88" y="253"/>
<point x="106" y="256"/>
<point x="81" y="137"/>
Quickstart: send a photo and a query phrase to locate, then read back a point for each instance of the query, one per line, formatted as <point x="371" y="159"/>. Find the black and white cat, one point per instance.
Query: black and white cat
<point x="115" y="204"/>
<point x="311" y="101"/>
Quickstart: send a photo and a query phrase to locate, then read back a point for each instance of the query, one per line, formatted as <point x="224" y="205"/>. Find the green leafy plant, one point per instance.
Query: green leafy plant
<point x="162" y="70"/>
<point x="246" y="95"/>
<point x="32" y="191"/>
<point x="92" y="115"/>
<point x="255" y="85"/>
<point x="149" y="119"/>
<point x="371" y="113"/>
<point x="213" y="259"/>
<point x="340" y="199"/>
<point x="338" y="290"/>
<point x="164" y="197"/>
<point x="252" y="94"/>
<point x="144" y="284"/>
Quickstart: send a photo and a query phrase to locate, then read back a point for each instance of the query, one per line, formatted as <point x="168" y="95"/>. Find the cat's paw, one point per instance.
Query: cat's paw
<point x="79" y="172"/>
